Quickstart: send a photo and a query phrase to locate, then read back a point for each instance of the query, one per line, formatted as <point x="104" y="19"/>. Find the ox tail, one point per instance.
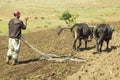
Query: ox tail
<point x="62" y="30"/>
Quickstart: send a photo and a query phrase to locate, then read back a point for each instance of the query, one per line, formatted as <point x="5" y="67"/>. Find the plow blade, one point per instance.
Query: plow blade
<point x="52" y="56"/>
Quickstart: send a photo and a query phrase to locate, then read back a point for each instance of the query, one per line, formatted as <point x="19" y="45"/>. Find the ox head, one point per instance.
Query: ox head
<point x="91" y="29"/>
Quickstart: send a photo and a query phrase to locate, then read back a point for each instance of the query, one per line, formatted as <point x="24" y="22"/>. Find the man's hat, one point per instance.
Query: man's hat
<point x="16" y="13"/>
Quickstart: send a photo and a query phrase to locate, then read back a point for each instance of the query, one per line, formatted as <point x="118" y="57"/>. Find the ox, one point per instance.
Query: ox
<point x="103" y="32"/>
<point x="80" y="31"/>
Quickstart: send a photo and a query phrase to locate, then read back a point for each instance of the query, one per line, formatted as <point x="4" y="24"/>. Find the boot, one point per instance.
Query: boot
<point x="8" y="58"/>
<point x="14" y="62"/>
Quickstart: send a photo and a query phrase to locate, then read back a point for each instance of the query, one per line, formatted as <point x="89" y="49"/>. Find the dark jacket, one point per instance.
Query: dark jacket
<point x="15" y="26"/>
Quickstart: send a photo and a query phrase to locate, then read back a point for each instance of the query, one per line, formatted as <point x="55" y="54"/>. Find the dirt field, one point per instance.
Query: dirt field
<point x="104" y="66"/>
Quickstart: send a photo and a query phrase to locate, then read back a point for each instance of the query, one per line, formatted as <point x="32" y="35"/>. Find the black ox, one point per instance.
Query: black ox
<point x="80" y="31"/>
<point x="103" y="32"/>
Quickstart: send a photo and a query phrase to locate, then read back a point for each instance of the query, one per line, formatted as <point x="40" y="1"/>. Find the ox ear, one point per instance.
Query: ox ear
<point x="92" y="29"/>
<point x="112" y="28"/>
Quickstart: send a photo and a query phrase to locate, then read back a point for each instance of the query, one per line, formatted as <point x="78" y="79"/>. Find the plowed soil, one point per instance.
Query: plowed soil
<point x="102" y="66"/>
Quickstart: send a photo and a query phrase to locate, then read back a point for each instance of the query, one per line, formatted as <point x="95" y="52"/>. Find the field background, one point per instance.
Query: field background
<point x="48" y="12"/>
<point x="41" y="32"/>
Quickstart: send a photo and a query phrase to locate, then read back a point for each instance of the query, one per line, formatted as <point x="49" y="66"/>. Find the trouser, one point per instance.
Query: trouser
<point x="13" y="48"/>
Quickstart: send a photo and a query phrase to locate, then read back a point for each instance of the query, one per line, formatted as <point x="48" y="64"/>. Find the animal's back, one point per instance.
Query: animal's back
<point x="104" y="31"/>
<point x="85" y="28"/>
<point x="81" y="27"/>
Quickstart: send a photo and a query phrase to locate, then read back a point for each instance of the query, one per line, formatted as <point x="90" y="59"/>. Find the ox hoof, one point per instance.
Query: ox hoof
<point x="98" y="51"/>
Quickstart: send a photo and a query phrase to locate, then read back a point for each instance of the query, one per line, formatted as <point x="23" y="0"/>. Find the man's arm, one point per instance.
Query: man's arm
<point x="23" y="26"/>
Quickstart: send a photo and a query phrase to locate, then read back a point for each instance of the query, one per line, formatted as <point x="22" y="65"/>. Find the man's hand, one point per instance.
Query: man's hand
<point x="26" y="18"/>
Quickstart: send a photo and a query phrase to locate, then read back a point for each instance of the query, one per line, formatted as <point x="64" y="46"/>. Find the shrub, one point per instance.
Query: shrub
<point x="69" y="18"/>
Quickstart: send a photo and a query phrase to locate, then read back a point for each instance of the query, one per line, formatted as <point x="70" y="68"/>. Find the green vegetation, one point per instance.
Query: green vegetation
<point x="1" y="79"/>
<point x="45" y="14"/>
<point x="66" y="16"/>
<point x="69" y="18"/>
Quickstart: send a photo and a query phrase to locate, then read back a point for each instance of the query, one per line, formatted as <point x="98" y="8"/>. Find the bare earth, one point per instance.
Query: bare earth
<point x="103" y="66"/>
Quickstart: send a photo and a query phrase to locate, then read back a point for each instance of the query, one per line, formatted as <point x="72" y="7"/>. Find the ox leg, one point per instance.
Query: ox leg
<point x="79" y="44"/>
<point x="101" y="43"/>
<point x="107" y="43"/>
<point x="85" y="44"/>
<point x="75" y="35"/>
<point x="97" y="44"/>
<point x="86" y="40"/>
<point x="74" y="44"/>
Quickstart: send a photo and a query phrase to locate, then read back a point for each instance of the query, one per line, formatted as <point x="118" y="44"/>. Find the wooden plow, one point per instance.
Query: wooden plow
<point x="52" y="57"/>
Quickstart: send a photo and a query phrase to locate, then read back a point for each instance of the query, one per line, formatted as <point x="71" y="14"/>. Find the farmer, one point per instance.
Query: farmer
<point x="15" y="27"/>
